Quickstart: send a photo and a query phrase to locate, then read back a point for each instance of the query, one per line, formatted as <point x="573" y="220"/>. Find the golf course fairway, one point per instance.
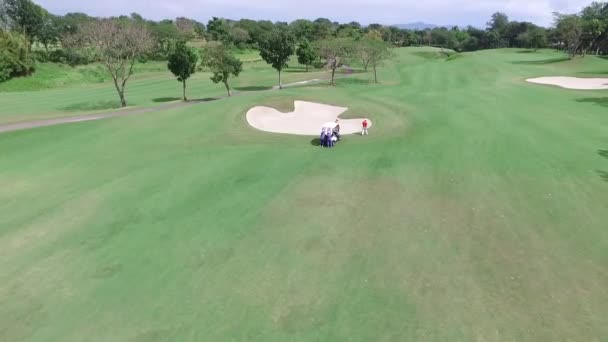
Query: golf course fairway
<point x="474" y="211"/>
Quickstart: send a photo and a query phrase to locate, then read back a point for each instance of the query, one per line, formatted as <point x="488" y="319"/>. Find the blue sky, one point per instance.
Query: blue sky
<point x="442" y="12"/>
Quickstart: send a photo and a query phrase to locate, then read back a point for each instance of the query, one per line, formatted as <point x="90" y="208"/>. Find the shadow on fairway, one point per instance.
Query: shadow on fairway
<point x="526" y="51"/>
<point x="354" y="81"/>
<point x="166" y="99"/>
<point x="542" y="61"/>
<point x="91" y="105"/>
<point x="296" y="70"/>
<point x="252" y="88"/>
<point x="209" y="99"/>
<point x="315" y="142"/>
<point x="600" y="101"/>
<point x="599" y="72"/>
<point x="603" y="174"/>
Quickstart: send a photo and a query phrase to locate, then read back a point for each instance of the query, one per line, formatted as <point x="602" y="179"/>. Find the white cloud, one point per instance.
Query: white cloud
<point x="460" y="12"/>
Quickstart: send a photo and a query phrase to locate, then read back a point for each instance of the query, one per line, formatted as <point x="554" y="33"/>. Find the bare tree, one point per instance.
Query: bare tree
<point x="118" y="45"/>
<point x="335" y="52"/>
<point x="373" y="53"/>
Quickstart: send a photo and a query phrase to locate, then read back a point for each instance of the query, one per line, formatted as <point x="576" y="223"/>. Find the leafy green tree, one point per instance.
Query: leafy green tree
<point x="498" y="22"/>
<point x="593" y="29"/>
<point x="570" y="30"/>
<point x="492" y="39"/>
<point x="218" y="59"/>
<point x="13" y="60"/>
<point x="182" y="63"/>
<point x="303" y="29"/>
<point x="165" y="35"/>
<point x="71" y="22"/>
<point x="349" y="31"/>
<point x="306" y="53"/>
<point x="323" y="29"/>
<point x="537" y="38"/>
<point x="373" y="35"/>
<point x="238" y="37"/>
<point x="25" y="17"/>
<point x="276" y="50"/>
<point x="49" y="32"/>
<point x="219" y="29"/>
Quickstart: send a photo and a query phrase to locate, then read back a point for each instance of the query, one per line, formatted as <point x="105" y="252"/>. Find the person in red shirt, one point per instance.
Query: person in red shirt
<point x="364" y="131"/>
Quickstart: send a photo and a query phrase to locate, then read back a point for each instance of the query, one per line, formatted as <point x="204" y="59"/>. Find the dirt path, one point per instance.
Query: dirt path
<point x="10" y="127"/>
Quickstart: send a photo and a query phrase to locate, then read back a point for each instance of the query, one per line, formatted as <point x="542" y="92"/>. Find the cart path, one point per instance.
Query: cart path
<point x="17" y="126"/>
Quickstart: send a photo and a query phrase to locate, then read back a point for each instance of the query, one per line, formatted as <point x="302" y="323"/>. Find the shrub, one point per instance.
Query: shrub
<point x="13" y="60"/>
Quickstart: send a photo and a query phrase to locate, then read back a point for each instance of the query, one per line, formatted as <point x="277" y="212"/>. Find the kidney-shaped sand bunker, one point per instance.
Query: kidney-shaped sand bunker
<point x="572" y="82"/>
<point x="306" y="119"/>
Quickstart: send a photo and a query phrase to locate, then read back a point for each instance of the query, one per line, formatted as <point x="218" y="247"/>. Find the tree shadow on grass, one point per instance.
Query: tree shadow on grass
<point x="354" y="81"/>
<point x="296" y="70"/>
<point x="598" y="72"/>
<point x="206" y="99"/>
<point x="166" y="99"/>
<point x="252" y="88"/>
<point x="526" y="51"/>
<point x="600" y="101"/>
<point x="542" y="61"/>
<point x="603" y="174"/>
<point x="91" y="105"/>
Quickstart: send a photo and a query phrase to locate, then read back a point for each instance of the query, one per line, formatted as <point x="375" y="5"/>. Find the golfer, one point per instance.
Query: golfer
<point x="336" y="130"/>
<point x="364" y="130"/>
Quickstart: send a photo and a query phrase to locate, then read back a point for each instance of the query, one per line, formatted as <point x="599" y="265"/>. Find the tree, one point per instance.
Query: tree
<point x="12" y="56"/>
<point x="373" y="35"/>
<point x="593" y="29"/>
<point x="218" y="29"/>
<point x="49" y="32"/>
<point x="218" y="59"/>
<point x="303" y="29"/>
<point x="25" y="17"/>
<point x="323" y="29"/>
<point x="186" y="27"/>
<point x="570" y="29"/>
<point x="276" y="50"/>
<point x="373" y="53"/>
<point x="335" y="52"/>
<point x="537" y="38"/>
<point x="306" y="53"/>
<point x="117" y="44"/>
<point x="238" y="36"/>
<point x="182" y="63"/>
<point x="165" y="35"/>
<point x="498" y="22"/>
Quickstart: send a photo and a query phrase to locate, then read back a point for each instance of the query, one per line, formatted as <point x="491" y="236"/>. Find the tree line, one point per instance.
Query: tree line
<point x="118" y="42"/>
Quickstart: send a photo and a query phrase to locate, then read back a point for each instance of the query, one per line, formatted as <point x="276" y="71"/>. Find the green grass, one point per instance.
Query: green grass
<point x="57" y="90"/>
<point x="475" y="210"/>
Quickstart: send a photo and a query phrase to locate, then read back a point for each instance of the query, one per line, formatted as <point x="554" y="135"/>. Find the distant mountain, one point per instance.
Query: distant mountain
<point x="416" y="26"/>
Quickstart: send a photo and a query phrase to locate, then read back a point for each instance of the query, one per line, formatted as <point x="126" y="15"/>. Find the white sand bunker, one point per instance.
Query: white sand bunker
<point x="306" y="119"/>
<point x="573" y="82"/>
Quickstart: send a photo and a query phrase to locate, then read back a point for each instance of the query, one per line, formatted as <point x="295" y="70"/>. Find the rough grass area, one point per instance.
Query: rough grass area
<point x="61" y="90"/>
<point x="474" y="211"/>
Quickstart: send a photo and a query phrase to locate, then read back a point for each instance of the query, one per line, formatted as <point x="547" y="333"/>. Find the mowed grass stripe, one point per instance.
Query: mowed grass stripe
<point x="472" y="211"/>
